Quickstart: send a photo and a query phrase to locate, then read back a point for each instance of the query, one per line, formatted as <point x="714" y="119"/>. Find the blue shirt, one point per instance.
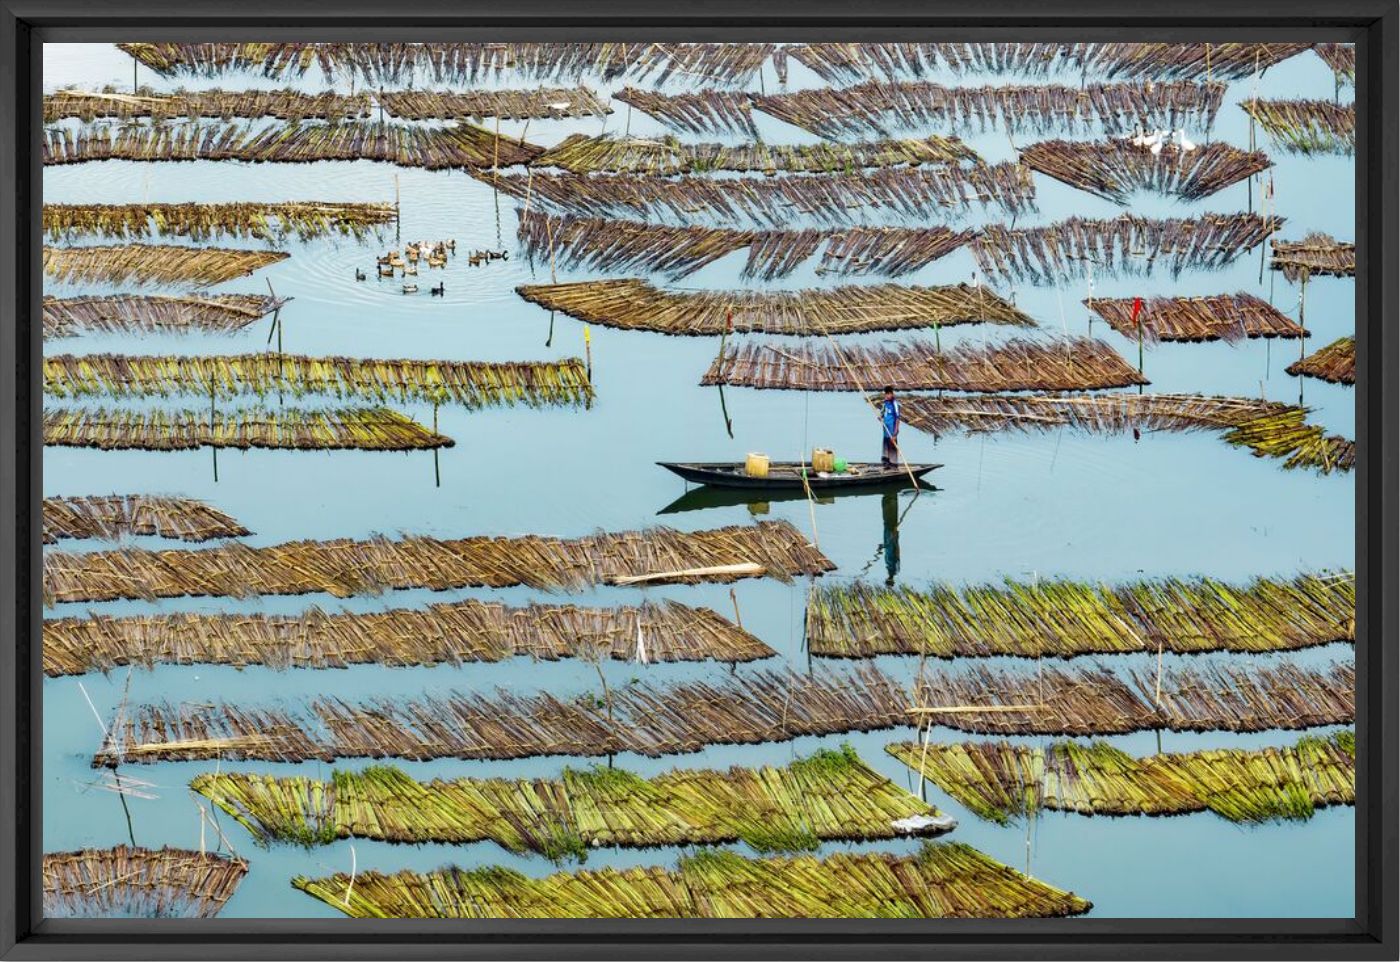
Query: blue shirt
<point x="889" y="413"/>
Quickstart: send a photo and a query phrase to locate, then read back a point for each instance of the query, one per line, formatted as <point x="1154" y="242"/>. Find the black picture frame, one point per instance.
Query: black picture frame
<point x="1371" y="24"/>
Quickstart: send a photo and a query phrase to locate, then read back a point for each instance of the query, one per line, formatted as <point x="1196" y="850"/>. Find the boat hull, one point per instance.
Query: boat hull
<point x="787" y="475"/>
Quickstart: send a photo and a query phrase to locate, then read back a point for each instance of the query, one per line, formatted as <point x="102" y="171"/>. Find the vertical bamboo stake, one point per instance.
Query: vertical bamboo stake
<point x="437" y="471"/>
<point x="213" y="439"/>
<point x="1302" y="322"/>
<point x="134" y="65"/>
<point x="588" y="351"/>
<point x="398" y="216"/>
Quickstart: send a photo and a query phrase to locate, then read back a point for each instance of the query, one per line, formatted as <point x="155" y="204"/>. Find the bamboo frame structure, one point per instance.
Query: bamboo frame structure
<point x="154" y="313"/>
<point x="945" y="191"/>
<point x="585" y="154"/>
<point x="139" y="882"/>
<point x="942" y="880"/>
<point x="458" y="146"/>
<point x="454" y="633"/>
<point x="764" y="706"/>
<point x="462" y="62"/>
<point x="1065" y="619"/>
<point x="344" y="567"/>
<point x="1070" y="364"/>
<point x="1317" y="254"/>
<point x="543" y="102"/>
<point x="1306" y="126"/>
<point x="1268" y="428"/>
<point x="881" y="107"/>
<point x="115" y="517"/>
<point x="1335" y="363"/>
<point x="1216" y="317"/>
<point x="1168" y="61"/>
<point x="827" y="796"/>
<point x="203" y="222"/>
<point x="472" y="384"/>
<point x="695" y="112"/>
<point x="1000" y="781"/>
<point x="678" y="251"/>
<point x="1125" y="244"/>
<point x="154" y="264"/>
<point x="358" y="429"/>
<point x="286" y="104"/>
<point x="1114" y="169"/>
<point x="635" y="305"/>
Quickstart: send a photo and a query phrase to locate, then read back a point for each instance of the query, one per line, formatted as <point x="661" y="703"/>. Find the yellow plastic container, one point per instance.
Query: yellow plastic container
<point x="823" y="460"/>
<point x="756" y="465"/>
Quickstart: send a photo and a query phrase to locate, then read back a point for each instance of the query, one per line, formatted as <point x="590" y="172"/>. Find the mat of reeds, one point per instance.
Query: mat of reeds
<point x="760" y="707"/>
<point x="615" y="245"/>
<point x="473" y="384"/>
<point x="1335" y="363"/>
<point x="462" y="62"/>
<point x="345" y="567"/>
<point x="119" y="516"/>
<point x="129" y="882"/>
<point x="544" y="102"/>
<point x="1064" y="619"/>
<point x="1215" y="317"/>
<point x="1268" y="428"/>
<point x="457" y="146"/>
<point x="154" y="314"/>
<point x="695" y="112"/>
<point x="153" y="264"/>
<point x="1002" y="781"/>
<point x="943" y="191"/>
<point x="303" y="220"/>
<point x="1070" y="364"/>
<point x="286" y="104"/>
<point x="635" y="305"/>
<point x="1126" y="244"/>
<point x="1306" y="126"/>
<point x="1317" y="254"/>
<point x="359" y="429"/>
<point x="1341" y="57"/>
<point x="1169" y="61"/>
<point x="881" y="107"/>
<point x="1115" y="169"/>
<point x="830" y="795"/>
<point x="666" y="156"/>
<point x="941" y="880"/>
<point x="443" y="634"/>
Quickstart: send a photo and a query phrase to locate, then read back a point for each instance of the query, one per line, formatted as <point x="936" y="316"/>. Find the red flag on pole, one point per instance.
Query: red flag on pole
<point x="1137" y="308"/>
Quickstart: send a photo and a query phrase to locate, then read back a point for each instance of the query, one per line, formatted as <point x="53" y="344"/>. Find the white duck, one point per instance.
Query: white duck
<point x="1186" y="145"/>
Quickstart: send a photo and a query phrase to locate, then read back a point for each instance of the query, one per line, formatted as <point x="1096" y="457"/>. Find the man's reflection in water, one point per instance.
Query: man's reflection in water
<point x="889" y="507"/>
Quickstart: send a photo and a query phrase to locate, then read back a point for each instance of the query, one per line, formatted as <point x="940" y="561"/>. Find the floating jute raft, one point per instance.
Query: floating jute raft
<point x="1126" y="244"/>
<point x="453" y="634"/>
<point x="1072" y="364"/>
<point x="677" y="251"/>
<point x="1068" y="618"/>
<point x="153" y="264"/>
<point x="553" y="102"/>
<point x="1306" y="126"/>
<point x="359" y="429"/>
<point x="1000" y="781"/>
<point x="1335" y="363"/>
<point x="773" y="549"/>
<point x="697" y="112"/>
<point x="763" y="706"/>
<point x="459" y="146"/>
<point x="125" y="882"/>
<point x="1114" y="169"/>
<point x="944" y="191"/>
<point x="154" y="313"/>
<point x="724" y="63"/>
<point x="473" y="384"/>
<point x="828" y="796"/>
<point x="584" y="154"/>
<point x="1317" y="254"/>
<point x="879" y="107"/>
<point x="201" y="222"/>
<point x="1341" y="57"/>
<point x="843" y="62"/>
<point x="942" y="880"/>
<point x="117" y="516"/>
<point x="1268" y="428"/>
<point x="288" y="104"/>
<point x="635" y="305"/>
<point x="1217" y="317"/>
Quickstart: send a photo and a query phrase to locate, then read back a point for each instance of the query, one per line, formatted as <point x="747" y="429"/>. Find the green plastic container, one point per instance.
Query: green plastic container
<point x="840" y="465"/>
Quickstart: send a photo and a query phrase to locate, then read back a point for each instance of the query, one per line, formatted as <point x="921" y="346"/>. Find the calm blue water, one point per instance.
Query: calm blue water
<point x="1044" y="505"/>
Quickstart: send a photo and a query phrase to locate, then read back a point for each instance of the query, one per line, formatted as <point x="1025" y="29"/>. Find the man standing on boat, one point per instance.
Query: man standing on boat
<point x="889" y="424"/>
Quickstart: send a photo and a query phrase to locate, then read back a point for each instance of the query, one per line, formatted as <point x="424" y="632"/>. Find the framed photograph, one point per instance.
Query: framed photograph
<point x="799" y="480"/>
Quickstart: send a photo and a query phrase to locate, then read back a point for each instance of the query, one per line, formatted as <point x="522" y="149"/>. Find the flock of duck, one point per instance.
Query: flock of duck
<point x="432" y="253"/>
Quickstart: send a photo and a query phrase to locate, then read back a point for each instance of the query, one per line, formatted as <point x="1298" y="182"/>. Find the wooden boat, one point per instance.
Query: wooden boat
<point x="786" y="475"/>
